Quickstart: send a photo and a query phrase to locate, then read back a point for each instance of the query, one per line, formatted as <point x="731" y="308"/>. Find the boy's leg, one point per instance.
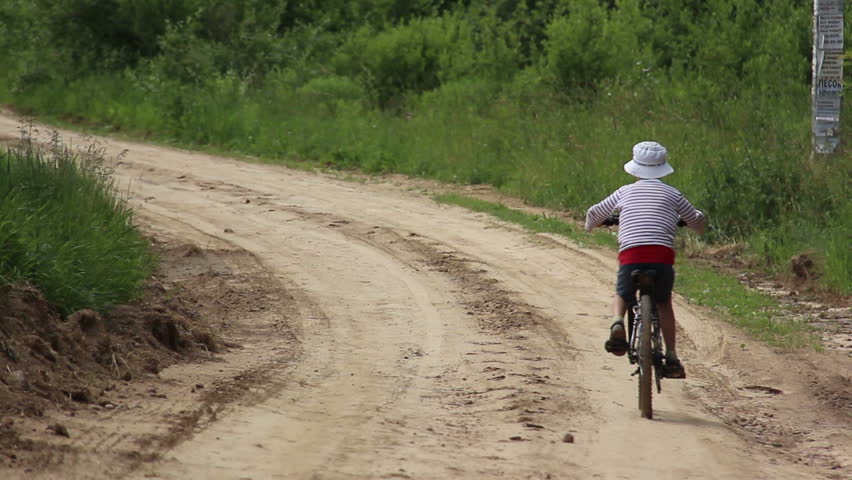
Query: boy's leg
<point x="673" y="367"/>
<point x="619" y="307"/>
<point x="617" y="342"/>
<point x="667" y="324"/>
<point x="665" y="311"/>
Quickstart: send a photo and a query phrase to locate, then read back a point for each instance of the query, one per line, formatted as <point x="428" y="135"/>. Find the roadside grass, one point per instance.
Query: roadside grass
<point x="762" y="189"/>
<point x="754" y="312"/>
<point x="534" y="223"/>
<point x="65" y="228"/>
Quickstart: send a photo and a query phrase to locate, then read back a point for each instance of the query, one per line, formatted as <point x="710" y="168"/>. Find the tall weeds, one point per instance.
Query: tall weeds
<point x="63" y="228"/>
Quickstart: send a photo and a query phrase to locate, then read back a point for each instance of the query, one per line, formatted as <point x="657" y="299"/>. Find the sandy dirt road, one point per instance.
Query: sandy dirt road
<point x="432" y="342"/>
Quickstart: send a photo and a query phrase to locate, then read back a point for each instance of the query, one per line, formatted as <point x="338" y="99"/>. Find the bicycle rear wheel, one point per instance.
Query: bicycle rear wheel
<point x="645" y="359"/>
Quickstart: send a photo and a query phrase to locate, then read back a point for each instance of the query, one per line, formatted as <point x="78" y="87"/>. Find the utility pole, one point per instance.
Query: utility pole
<point x="827" y="80"/>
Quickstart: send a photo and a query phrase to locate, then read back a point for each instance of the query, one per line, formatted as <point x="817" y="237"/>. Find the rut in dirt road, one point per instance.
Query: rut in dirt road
<point x="438" y="343"/>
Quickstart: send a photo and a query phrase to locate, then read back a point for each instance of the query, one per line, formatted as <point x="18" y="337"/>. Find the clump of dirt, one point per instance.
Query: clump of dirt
<point x="803" y="266"/>
<point x="52" y="361"/>
<point x="47" y="360"/>
<point x="835" y="391"/>
<point x="11" y="442"/>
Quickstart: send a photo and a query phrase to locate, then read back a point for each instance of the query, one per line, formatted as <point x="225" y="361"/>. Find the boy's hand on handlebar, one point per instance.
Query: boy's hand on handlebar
<point x="610" y="221"/>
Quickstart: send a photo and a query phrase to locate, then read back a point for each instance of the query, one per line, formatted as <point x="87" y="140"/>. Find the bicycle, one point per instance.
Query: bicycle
<point x="645" y="340"/>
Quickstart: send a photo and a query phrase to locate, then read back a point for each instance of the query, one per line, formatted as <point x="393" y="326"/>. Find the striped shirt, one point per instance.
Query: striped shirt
<point x="648" y="213"/>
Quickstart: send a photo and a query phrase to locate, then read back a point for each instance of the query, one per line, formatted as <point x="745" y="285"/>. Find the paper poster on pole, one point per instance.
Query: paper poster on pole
<point x="827" y="86"/>
<point x="830" y="32"/>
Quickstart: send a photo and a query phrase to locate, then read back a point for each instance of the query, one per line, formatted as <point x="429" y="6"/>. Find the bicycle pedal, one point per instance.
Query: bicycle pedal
<point x="637" y="372"/>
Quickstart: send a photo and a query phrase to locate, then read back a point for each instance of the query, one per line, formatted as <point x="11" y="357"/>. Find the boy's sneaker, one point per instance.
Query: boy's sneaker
<point x="673" y="369"/>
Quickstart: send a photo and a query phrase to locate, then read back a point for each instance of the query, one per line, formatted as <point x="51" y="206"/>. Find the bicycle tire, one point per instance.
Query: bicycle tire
<point x="645" y="359"/>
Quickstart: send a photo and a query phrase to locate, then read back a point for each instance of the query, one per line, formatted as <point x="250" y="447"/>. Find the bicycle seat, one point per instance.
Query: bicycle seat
<point x="644" y="278"/>
<point x="636" y="274"/>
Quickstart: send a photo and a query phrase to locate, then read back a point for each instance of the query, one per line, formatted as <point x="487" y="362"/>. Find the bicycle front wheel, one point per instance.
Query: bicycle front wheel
<point x="645" y="359"/>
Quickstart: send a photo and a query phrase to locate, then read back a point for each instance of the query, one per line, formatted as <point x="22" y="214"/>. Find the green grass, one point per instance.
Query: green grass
<point x="761" y="189"/>
<point x="535" y="223"/>
<point x="756" y="313"/>
<point x="64" y="228"/>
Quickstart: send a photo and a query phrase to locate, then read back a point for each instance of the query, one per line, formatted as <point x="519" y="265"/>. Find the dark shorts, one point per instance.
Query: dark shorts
<point x="664" y="281"/>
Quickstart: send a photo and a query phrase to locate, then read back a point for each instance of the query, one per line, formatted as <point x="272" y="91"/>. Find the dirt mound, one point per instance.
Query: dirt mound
<point x="47" y="360"/>
<point x="66" y="383"/>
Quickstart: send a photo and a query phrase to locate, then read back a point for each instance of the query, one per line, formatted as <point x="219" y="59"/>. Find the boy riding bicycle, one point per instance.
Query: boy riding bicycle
<point x="649" y="211"/>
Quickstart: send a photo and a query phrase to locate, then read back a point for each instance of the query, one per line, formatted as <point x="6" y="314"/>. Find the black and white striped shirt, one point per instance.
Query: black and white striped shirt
<point x="648" y="213"/>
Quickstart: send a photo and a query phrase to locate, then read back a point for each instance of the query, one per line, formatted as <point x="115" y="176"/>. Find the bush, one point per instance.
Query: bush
<point x="592" y="44"/>
<point x="474" y="95"/>
<point x="111" y="33"/>
<point x="329" y="91"/>
<point x="411" y="58"/>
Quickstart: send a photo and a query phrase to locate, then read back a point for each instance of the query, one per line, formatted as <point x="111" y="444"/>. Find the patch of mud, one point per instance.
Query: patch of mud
<point x="527" y="393"/>
<point x="497" y="310"/>
<point x="494" y="308"/>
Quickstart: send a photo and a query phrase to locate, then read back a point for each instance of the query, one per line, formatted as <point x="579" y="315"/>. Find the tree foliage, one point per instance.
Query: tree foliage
<point x="578" y="43"/>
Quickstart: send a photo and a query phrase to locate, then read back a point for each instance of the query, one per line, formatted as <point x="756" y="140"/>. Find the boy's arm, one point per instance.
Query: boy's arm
<point x="693" y="217"/>
<point x="600" y="212"/>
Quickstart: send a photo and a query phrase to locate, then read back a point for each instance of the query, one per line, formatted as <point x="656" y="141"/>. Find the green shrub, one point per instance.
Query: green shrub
<point x="468" y="94"/>
<point x="184" y="56"/>
<point x="410" y="58"/>
<point x="111" y="33"/>
<point x="592" y="44"/>
<point x="329" y="91"/>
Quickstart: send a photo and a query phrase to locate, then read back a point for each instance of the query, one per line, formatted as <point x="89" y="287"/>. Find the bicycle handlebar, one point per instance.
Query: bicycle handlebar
<point x="610" y="221"/>
<point x="613" y="220"/>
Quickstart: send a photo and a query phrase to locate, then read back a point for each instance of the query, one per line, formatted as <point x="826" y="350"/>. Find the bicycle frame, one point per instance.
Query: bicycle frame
<point x="634" y="322"/>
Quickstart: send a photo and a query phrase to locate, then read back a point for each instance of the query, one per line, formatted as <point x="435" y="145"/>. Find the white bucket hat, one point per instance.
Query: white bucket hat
<point x="649" y="161"/>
